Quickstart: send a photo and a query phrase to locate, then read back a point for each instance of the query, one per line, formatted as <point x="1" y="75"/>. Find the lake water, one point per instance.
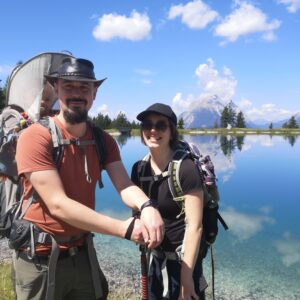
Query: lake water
<point x="259" y="183"/>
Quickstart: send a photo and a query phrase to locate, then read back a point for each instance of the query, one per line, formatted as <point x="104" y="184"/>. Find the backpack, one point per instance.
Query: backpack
<point x="23" y="99"/>
<point x="12" y="123"/>
<point x="211" y="215"/>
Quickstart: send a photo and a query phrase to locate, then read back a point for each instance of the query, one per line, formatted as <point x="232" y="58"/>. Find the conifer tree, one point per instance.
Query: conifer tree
<point x="225" y="117"/>
<point x="240" y="120"/>
<point x="181" y="123"/>
<point x="2" y="99"/>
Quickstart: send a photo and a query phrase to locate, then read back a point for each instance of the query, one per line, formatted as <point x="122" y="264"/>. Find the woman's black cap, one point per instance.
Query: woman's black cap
<point x="158" y="108"/>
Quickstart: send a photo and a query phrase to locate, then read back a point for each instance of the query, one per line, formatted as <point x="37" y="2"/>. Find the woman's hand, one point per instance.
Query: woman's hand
<point x="187" y="289"/>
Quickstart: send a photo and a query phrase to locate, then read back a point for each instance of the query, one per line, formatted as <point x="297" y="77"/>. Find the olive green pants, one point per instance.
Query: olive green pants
<point x="73" y="280"/>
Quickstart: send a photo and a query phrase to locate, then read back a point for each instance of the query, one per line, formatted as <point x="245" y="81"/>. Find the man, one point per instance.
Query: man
<point x="66" y="196"/>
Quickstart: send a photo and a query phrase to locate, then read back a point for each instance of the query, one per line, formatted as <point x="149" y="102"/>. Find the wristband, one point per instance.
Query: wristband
<point x="150" y="202"/>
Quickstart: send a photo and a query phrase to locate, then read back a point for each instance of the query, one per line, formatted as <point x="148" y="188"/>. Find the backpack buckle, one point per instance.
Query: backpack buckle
<point x="75" y="142"/>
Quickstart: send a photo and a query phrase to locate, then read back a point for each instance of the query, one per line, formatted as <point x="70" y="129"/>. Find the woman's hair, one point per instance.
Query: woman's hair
<point x="174" y="135"/>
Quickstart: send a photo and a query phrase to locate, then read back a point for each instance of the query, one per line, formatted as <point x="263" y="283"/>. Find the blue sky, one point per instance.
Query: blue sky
<point x="176" y="52"/>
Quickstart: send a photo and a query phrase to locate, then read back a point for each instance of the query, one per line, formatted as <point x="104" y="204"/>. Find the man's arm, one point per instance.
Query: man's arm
<point x="134" y="197"/>
<point x="50" y="188"/>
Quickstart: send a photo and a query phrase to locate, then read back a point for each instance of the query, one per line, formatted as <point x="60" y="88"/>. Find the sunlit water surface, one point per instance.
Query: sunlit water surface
<point x="259" y="183"/>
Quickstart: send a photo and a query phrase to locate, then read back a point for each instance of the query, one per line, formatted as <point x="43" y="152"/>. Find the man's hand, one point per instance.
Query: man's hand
<point x="132" y="228"/>
<point x="152" y="227"/>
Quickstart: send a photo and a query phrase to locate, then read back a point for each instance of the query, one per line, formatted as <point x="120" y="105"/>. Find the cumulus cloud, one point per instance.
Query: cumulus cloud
<point x="103" y="109"/>
<point x="213" y="84"/>
<point x="195" y="14"/>
<point x="244" y="20"/>
<point x="289" y="248"/>
<point x="291" y="5"/>
<point x="244" y="226"/>
<point x="135" y="27"/>
<point x="269" y="112"/>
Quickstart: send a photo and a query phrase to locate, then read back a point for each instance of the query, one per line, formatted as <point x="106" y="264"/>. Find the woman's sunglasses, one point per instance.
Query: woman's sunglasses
<point x="158" y="126"/>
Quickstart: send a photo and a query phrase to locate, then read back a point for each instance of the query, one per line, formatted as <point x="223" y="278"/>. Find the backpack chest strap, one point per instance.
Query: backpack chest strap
<point x="154" y="178"/>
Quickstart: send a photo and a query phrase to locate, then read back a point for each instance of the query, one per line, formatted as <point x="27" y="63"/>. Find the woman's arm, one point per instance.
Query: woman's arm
<point x="193" y="232"/>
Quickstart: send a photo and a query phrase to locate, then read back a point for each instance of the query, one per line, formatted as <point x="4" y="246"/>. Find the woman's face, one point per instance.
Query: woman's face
<point x="156" y="131"/>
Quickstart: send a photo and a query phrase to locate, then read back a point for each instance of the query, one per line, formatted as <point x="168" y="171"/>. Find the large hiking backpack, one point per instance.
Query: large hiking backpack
<point x="23" y="99"/>
<point x="211" y="214"/>
<point x="24" y="92"/>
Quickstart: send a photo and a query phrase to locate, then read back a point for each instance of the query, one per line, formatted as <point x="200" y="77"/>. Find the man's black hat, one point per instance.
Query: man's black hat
<point x="75" y="69"/>
<point x="158" y="108"/>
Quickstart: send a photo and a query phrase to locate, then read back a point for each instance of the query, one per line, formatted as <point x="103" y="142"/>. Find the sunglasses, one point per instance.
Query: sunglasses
<point x="158" y="126"/>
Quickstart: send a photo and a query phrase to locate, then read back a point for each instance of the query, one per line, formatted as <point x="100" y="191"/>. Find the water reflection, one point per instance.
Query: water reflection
<point x="289" y="249"/>
<point x="244" y="225"/>
<point x="291" y="139"/>
<point x="122" y="139"/>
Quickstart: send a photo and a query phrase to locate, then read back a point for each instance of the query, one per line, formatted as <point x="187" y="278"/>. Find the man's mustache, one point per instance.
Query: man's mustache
<point x="76" y="100"/>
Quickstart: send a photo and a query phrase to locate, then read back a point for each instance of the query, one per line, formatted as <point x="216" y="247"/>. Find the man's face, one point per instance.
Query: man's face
<point x="76" y="98"/>
<point x="47" y="101"/>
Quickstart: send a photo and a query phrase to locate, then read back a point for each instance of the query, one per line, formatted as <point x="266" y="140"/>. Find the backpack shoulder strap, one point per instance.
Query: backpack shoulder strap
<point x="174" y="180"/>
<point x="57" y="139"/>
<point x="98" y="135"/>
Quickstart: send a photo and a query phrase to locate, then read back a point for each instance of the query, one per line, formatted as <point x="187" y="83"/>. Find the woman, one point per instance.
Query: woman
<point x="159" y="133"/>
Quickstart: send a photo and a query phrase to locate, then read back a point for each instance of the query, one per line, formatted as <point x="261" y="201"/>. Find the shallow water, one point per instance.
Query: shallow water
<point x="258" y="179"/>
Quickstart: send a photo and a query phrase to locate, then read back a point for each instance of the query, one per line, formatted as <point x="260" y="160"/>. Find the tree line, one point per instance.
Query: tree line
<point x="229" y="118"/>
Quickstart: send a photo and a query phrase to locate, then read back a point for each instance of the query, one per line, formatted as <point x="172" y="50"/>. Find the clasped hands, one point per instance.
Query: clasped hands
<point x="146" y="229"/>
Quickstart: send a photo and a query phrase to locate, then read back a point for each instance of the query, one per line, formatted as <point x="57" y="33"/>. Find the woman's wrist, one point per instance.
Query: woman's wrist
<point x="150" y="202"/>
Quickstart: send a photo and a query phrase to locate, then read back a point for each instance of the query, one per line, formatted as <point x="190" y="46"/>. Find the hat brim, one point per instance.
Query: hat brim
<point x="52" y="79"/>
<point x="141" y="116"/>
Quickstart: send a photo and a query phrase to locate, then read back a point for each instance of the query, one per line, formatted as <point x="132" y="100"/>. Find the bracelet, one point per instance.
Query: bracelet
<point x="150" y="202"/>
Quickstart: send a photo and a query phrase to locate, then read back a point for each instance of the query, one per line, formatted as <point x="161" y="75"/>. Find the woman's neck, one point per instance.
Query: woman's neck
<point x="160" y="159"/>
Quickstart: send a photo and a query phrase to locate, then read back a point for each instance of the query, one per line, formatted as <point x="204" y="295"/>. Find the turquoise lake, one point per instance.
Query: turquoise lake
<point x="259" y="183"/>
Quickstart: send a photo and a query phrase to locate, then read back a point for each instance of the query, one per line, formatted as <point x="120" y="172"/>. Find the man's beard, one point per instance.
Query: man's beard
<point x="76" y="115"/>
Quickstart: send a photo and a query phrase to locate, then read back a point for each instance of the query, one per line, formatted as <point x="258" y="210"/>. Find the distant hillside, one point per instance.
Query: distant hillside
<point x="207" y="113"/>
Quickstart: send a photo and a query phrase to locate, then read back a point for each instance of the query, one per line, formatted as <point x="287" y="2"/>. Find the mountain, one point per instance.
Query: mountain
<point x="204" y="114"/>
<point x="207" y="113"/>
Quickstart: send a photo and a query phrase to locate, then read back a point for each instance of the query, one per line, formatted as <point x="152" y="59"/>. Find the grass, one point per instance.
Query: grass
<point x="7" y="291"/>
<point x="224" y="131"/>
<point x="6" y="287"/>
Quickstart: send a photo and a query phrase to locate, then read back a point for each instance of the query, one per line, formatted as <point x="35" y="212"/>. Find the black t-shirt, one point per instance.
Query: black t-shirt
<point x="190" y="180"/>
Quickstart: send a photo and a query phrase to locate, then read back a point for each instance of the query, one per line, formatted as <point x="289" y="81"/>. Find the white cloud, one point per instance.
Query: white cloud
<point x="145" y="74"/>
<point x="292" y="5"/>
<point x="244" y="103"/>
<point x="213" y="82"/>
<point x="269" y="112"/>
<point x="244" y="20"/>
<point x="134" y="28"/>
<point x="245" y="226"/>
<point x="103" y="109"/>
<point x="195" y="14"/>
<point x="289" y="248"/>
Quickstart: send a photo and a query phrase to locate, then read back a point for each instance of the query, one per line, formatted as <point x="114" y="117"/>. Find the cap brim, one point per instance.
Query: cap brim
<point x="52" y="79"/>
<point x="141" y="116"/>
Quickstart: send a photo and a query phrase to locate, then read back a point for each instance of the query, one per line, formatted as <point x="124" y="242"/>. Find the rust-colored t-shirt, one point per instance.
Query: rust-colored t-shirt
<point x="34" y="153"/>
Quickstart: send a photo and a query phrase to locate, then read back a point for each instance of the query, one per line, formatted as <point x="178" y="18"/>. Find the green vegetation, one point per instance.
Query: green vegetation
<point x="242" y="131"/>
<point x="7" y="291"/>
<point x="2" y="97"/>
<point x="6" y="287"/>
<point x="291" y="123"/>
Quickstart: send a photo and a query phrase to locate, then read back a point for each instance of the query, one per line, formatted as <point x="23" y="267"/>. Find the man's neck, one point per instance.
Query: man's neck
<point x="77" y="130"/>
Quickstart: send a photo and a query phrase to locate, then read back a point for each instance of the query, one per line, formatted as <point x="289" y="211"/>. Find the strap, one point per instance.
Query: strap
<point x="130" y="228"/>
<point x="51" y="270"/>
<point x="101" y="149"/>
<point x="94" y="267"/>
<point x="222" y="221"/>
